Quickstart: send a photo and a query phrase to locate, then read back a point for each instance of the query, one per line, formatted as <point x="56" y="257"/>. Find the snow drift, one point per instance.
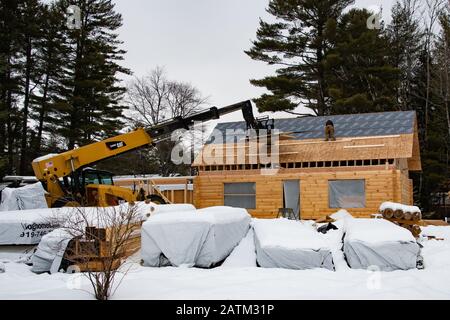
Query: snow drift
<point x="199" y="238"/>
<point x="282" y="243"/>
<point x="28" y="197"/>
<point x="378" y="242"/>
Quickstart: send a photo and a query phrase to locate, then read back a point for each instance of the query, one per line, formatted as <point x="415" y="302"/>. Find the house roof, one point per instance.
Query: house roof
<point x="351" y="125"/>
<point x="385" y="135"/>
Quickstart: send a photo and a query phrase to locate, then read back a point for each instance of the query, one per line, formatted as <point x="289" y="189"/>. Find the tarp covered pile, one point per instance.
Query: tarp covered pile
<point x="200" y="238"/>
<point x="290" y="244"/>
<point x="28" y="197"/>
<point x="27" y="227"/>
<point x="51" y="249"/>
<point x="380" y="243"/>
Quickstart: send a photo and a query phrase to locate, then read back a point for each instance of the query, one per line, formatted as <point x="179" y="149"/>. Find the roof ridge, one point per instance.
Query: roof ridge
<point x="335" y="115"/>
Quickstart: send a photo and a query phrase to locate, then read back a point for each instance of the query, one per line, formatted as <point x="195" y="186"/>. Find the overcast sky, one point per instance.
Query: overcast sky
<point x="201" y="42"/>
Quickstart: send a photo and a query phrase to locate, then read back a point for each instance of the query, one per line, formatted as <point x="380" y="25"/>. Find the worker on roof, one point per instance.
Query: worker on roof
<point x="329" y="131"/>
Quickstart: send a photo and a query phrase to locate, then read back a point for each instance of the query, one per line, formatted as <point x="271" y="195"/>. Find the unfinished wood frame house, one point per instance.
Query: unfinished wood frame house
<point x="368" y="163"/>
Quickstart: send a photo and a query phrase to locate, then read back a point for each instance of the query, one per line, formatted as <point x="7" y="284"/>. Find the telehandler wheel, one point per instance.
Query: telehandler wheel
<point x="66" y="202"/>
<point x="156" y="199"/>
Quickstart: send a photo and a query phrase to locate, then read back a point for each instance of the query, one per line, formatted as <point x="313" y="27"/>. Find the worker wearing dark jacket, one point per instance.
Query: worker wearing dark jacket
<point x="329" y="131"/>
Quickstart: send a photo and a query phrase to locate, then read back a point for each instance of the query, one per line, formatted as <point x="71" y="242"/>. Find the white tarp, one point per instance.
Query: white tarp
<point x="27" y="227"/>
<point x="380" y="243"/>
<point x="50" y="252"/>
<point x="282" y="243"/>
<point x="25" y="198"/>
<point x="199" y="238"/>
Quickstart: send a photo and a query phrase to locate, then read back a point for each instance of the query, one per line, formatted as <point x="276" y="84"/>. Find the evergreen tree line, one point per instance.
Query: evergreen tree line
<point x="334" y="59"/>
<point x="59" y="84"/>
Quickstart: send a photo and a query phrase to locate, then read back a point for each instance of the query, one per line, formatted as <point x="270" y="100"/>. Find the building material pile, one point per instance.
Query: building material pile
<point x="282" y="243"/>
<point x="408" y="217"/>
<point x="380" y="243"/>
<point x="92" y="237"/>
<point x="27" y="227"/>
<point x="201" y="238"/>
<point x="25" y="198"/>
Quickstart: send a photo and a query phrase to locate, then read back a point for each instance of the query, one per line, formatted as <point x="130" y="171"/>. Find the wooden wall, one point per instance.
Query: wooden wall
<point x="383" y="183"/>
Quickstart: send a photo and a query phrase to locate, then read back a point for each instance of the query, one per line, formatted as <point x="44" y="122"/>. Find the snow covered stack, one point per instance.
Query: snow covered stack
<point x="28" y="197"/>
<point x="156" y="209"/>
<point x="27" y="227"/>
<point x="407" y="217"/>
<point x="378" y="242"/>
<point x="199" y="238"/>
<point x="282" y="243"/>
<point x="391" y="210"/>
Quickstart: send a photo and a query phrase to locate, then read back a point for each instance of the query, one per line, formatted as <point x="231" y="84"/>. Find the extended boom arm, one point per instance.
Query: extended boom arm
<point x="64" y="164"/>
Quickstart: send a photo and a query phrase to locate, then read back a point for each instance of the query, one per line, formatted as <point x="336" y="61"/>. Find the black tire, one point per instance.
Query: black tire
<point x="62" y="202"/>
<point x="156" y="199"/>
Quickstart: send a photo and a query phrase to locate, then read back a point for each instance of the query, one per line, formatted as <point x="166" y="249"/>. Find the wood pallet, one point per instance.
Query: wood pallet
<point x="94" y="253"/>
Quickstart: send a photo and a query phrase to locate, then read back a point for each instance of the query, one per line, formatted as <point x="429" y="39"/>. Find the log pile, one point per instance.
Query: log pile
<point x="408" y="217"/>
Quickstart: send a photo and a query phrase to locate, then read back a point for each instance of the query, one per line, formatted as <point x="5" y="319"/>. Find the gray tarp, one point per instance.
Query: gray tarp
<point x="282" y="243"/>
<point x="199" y="238"/>
<point x="347" y="194"/>
<point x="379" y="243"/>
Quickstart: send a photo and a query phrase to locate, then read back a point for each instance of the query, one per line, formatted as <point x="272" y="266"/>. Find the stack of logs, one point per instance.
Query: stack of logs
<point x="407" y="217"/>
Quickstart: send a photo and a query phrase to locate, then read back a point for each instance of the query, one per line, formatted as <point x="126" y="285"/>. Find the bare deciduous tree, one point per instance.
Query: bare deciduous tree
<point x="101" y="240"/>
<point x="155" y="98"/>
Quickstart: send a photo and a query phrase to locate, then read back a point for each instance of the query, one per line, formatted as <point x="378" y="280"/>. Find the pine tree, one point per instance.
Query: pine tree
<point x="90" y="103"/>
<point x="9" y="83"/>
<point x="51" y="64"/>
<point x="359" y="76"/>
<point x="298" y="43"/>
<point x="31" y="14"/>
<point x="406" y="41"/>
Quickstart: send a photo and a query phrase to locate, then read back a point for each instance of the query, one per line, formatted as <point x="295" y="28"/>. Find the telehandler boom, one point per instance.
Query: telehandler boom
<point x="70" y="182"/>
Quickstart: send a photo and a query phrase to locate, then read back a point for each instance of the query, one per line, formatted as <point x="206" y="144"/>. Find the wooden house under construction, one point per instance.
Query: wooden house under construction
<point x="368" y="163"/>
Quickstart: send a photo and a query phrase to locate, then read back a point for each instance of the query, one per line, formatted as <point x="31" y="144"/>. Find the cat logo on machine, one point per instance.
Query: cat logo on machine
<point x="114" y="145"/>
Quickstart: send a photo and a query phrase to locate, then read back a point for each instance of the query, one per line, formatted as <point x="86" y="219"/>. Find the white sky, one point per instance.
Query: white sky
<point x="202" y="42"/>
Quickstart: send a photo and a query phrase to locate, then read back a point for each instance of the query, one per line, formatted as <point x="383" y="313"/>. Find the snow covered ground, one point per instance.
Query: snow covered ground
<point x="238" y="278"/>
